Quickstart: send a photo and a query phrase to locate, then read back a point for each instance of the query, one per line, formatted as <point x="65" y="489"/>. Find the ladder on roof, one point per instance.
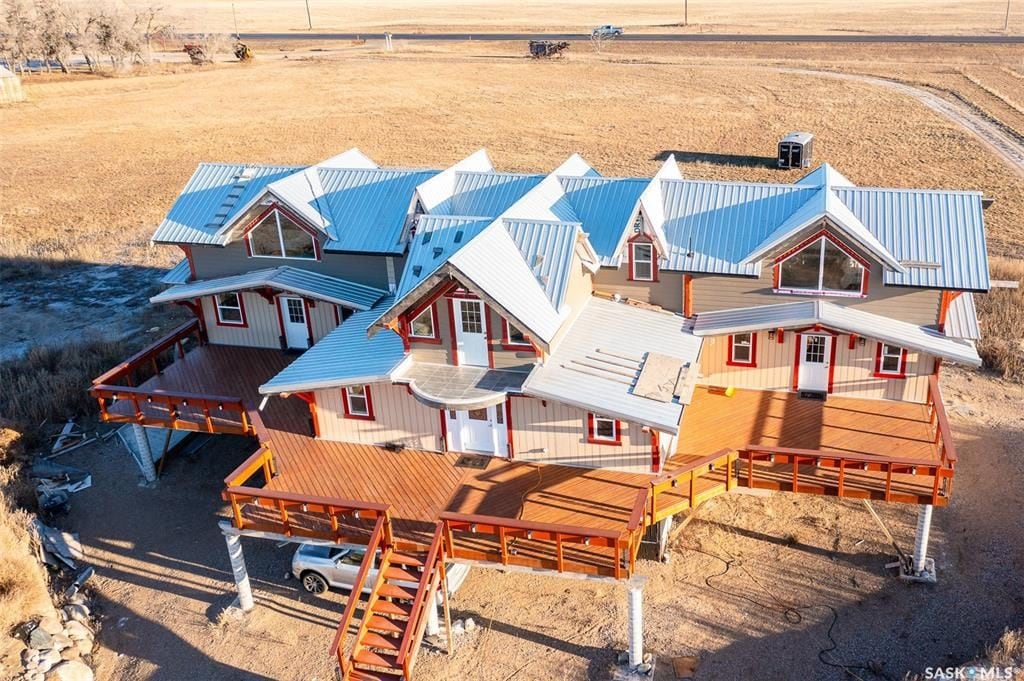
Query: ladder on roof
<point x="235" y="193"/>
<point x="395" y="612"/>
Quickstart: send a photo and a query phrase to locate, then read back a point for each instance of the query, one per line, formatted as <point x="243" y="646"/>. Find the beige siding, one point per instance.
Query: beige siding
<point x="322" y="316"/>
<point x="917" y="306"/>
<point x="398" y="417"/>
<point x="262" y="331"/>
<point x="667" y="292"/>
<point x="550" y="432"/>
<point x="852" y="374"/>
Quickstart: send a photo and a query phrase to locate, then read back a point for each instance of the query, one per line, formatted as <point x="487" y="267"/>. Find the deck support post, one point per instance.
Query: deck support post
<point x="234" y="542"/>
<point x="145" y="452"/>
<point x="433" y="622"/>
<point x="636" y="621"/>
<point x="921" y="567"/>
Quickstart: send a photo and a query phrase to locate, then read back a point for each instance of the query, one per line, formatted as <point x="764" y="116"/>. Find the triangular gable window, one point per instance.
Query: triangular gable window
<point x="278" y="236"/>
<point x="821" y="266"/>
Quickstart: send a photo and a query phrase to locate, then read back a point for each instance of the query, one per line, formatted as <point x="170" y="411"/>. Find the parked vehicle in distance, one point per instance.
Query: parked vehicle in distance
<point x="606" y="31"/>
<point x="320" y="567"/>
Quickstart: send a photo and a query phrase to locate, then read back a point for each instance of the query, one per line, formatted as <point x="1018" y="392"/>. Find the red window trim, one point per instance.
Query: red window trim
<point x="369" y="405"/>
<point x="777" y="270"/>
<point x="508" y="344"/>
<point x="428" y="340"/>
<point x="879" y="373"/>
<point x="729" y="361"/>
<point x="591" y="433"/>
<point x="244" y="324"/>
<point x="317" y="252"/>
<point x="643" y="239"/>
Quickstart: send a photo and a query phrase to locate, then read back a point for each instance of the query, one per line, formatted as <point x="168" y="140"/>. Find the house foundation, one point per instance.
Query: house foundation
<point x="238" y="569"/>
<point x="636" y="621"/>
<point x="145" y="453"/>
<point x="921" y="567"/>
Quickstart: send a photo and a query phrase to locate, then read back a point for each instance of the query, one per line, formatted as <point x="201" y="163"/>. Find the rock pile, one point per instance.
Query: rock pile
<point x="59" y="647"/>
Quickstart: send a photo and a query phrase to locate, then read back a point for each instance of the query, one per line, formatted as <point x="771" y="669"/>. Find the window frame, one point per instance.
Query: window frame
<point x="643" y="241"/>
<point x="750" y="343"/>
<point x="778" y="285"/>
<point x="435" y="337"/>
<point x="276" y="210"/>
<point x="881" y="355"/>
<point x="346" y="403"/>
<point x="507" y="343"/>
<point x="592" y="436"/>
<point x="243" y="323"/>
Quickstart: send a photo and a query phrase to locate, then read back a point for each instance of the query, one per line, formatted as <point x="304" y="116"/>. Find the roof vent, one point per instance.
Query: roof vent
<point x="426" y="237"/>
<point x="538" y="260"/>
<point x="437" y="252"/>
<point x="921" y="264"/>
<point x="458" y="237"/>
<point x="416" y="269"/>
<point x="543" y="279"/>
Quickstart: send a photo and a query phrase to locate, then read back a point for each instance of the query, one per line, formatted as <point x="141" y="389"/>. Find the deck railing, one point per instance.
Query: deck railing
<point x="166" y="408"/>
<point x="424" y="599"/>
<point x="937" y="417"/>
<point x="685" y="480"/>
<point x="941" y="474"/>
<point x="613" y="561"/>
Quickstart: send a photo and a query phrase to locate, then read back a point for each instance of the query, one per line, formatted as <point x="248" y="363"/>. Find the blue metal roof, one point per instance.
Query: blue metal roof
<point x="345" y="356"/>
<point x="367" y="207"/>
<point x="487" y="194"/>
<point x="938" y="236"/>
<point x="292" y="279"/>
<point x="547" y="249"/>
<point x="179" y="274"/>
<point x="604" y="206"/>
<point x="437" y="238"/>
<point x="212" y="198"/>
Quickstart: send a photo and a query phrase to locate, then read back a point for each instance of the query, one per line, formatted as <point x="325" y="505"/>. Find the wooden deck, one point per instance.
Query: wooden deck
<point x="879" y="442"/>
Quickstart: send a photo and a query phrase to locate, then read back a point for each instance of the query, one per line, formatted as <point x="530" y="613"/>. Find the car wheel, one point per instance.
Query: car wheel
<point x="314" y="583"/>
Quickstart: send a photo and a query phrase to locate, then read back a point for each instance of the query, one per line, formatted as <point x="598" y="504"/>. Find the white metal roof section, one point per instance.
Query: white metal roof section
<point x="962" y="318"/>
<point x="212" y="198"/>
<point x="440" y="386"/>
<point x="810" y="312"/>
<point x="824" y="175"/>
<point x="179" y="274"/>
<point x="597" y="363"/>
<point x="547" y="248"/>
<point x="712" y="226"/>
<point x="434" y="192"/>
<point x="652" y="203"/>
<point x="937" y="235"/>
<point x="345" y="356"/>
<point x="368" y="207"/>
<point x="605" y="206"/>
<point x="291" y="279"/>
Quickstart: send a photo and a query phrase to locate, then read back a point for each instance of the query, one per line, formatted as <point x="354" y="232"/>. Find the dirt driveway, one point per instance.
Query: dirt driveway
<point x="758" y="587"/>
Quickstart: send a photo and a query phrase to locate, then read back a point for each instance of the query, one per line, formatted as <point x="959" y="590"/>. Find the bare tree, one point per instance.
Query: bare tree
<point x="53" y="33"/>
<point x="21" y="36"/>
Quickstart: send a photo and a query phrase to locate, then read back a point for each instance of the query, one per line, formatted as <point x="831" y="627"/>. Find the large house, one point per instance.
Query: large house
<point x="539" y="370"/>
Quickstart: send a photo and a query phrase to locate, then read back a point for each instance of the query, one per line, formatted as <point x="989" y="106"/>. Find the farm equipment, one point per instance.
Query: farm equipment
<point x="196" y="54"/>
<point x="242" y="52"/>
<point x="547" y="48"/>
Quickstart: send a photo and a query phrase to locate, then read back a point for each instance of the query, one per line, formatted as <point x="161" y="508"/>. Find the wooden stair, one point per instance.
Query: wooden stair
<point x="395" y="614"/>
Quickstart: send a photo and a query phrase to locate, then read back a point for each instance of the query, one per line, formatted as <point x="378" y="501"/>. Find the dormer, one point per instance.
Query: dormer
<point x="642" y="251"/>
<point x="821" y="265"/>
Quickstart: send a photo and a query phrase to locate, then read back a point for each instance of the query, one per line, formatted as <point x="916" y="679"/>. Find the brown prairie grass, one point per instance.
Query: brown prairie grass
<point x="1001" y="312"/>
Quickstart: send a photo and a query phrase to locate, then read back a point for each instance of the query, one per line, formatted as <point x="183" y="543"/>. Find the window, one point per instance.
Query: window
<point x="278" y="236"/>
<point x="742" y="350"/>
<point x="422" y="325"/>
<point x="515" y="338"/>
<point x="358" y="403"/>
<point x="296" y="311"/>
<point x="472" y="316"/>
<point x="603" y="430"/>
<point x="229" y="309"/>
<point x="823" y="268"/>
<point x="890" y="361"/>
<point x="641" y="261"/>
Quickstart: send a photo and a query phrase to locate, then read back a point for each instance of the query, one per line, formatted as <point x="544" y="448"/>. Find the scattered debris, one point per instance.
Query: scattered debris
<point x="547" y="48"/>
<point x="56" y="482"/>
<point x="56" y="548"/>
<point x="196" y="54"/>
<point x="59" y="647"/>
<point x="242" y="52"/>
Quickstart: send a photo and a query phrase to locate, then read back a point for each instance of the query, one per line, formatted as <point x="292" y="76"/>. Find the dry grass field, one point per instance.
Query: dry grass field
<point x="722" y="16"/>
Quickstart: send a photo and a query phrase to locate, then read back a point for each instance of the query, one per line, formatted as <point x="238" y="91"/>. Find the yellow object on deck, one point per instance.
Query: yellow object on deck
<point x="730" y="391"/>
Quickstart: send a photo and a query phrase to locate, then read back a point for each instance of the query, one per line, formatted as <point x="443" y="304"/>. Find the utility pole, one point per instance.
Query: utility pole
<point x="1006" y="19"/>
<point x="309" y="17"/>
<point x="234" y="17"/>
<point x="686" y="12"/>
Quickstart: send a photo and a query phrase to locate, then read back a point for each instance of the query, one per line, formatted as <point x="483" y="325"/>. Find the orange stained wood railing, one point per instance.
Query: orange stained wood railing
<point x="319" y="517"/>
<point x="676" y="490"/>
<point x="814" y="460"/>
<point x="337" y="647"/>
<point x="169" y="409"/>
<point x="417" y="622"/>
<point x="937" y="417"/>
<point x="613" y="562"/>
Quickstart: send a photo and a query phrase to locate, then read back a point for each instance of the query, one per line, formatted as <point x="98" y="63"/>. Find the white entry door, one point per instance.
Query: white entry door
<point x="815" y="357"/>
<point x="478" y="430"/>
<point x="470" y="332"/>
<point x="293" y="316"/>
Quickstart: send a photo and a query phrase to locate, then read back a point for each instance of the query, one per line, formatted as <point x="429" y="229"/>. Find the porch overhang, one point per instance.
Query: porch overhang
<point x="440" y="386"/>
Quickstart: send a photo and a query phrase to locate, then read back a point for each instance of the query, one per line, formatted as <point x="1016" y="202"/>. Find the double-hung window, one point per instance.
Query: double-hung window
<point x="641" y="263"/>
<point x="229" y="309"/>
<point x="890" y="361"/>
<point x="358" y="403"/>
<point x="742" y="350"/>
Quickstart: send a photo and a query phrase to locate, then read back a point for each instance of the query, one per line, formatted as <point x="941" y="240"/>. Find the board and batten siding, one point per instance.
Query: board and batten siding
<point x="322" y="318"/>
<point x="398" y="417"/>
<point x="550" y="432"/>
<point x="915" y="305"/>
<point x="853" y="374"/>
<point x="667" y="292"/>
<point x="262" y="330"/>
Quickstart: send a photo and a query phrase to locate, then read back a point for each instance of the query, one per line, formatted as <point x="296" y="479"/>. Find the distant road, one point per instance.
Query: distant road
<point x="656" y="37"/>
